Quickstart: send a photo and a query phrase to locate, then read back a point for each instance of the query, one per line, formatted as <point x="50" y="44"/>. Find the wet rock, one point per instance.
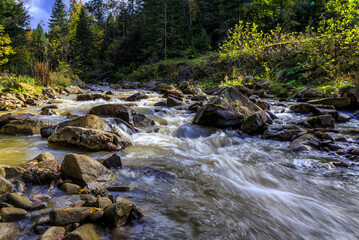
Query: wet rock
<point x="24" y="127"/>
<point x="136" y="213"/>
<point x="12" y="171"/>
<point x="19" y="201"/>
<point x="336" y="102"/>
<point x="74" y="90"/>
<point x="343" y="118"/>
<point x="160" y="104"/>
<point x="163" y="87"/>
<point x="254" y="123"/>
<point x="140" y="120"/>
<point x="39" y="175"/>
<point x="39" y="206"/>
<point x="49" y="92"/>
<point x="87" y="121"/>
<point x="263" y="105"/>
<point x="173" y="102"/>
<point x="12" y="214"/>
<point x="120" y="188"/>
<point x="118" y="212"/>
<point x="306" y="108"/>
<point x="53" y="233"/>
<point x="70" y="188"/>
<point x="45" y="156"/>
<point x="90" y="139"/>
<point x="307" y="142"/>
<point x="244" y="90"/>
<point x="87" y="231"/>
<point x="9" y="101"/>
<point x="194" y="107"/>
<point x="66" y="216"/>
<point x="229" y="109"/>
<point x="85" y="169"/>
<point x="115" y="86"/>
<point x="8" y="231"/>
<point x="308" y="94"/>
<point x="92" y="97"/>
<point x="127" y="125"/>
<point x="104" y="202"/>
<point x="2" y="172"/>
<point x="113" y="162"/>
<point x="353" y="94"/>
<point x="137" y="97"/>
<point x="5" y="186"/>
<point x="10" y="117"/>
<point x="282" y="132"/>
<point x="48" y="112"/>
<point x="108" y="110"/>
<point x="321" y="121"/>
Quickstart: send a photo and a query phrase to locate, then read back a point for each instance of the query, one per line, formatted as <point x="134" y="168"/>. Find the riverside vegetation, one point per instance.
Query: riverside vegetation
<point x="213" y="119"/>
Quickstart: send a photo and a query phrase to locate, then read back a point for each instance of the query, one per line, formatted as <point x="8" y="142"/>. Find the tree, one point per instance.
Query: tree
<point x="5" y="47"/>
<point x="58" y="20"/>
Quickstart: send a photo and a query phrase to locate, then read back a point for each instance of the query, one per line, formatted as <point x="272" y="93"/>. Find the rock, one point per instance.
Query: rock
<point x="87" y="121"/>
<point x="53" y="233"/>
<point x="85" y="169"/>
<point x="66" y="216"/>
<point x="308" y="94"/>
<point x="90" y="139"/>
<point x="127" y="125"/>
<point x="87" y="231"/>
<point x="173" y="102"/>
<point x="12" y="214"/>
<point x="5" y="186"/>
<point x="137" y="97"/>
<point x="306" y="108"/>
<point x="343" y="118"/>
<point x="92" y="97"/>
<point x="8" y="231"/>
<point x="254" y="123"/>
<point x="9" y="101"/>
<point x="113" y="162"/>
<point x="74" y="90"/>
<point x="108" y="110"/>
<point x="23" y="86"/>
<point x="228" y="110"/>
<point x="244" y="90"/>
<point x="194" y="107"/>
<point x="118" y="212"/>
<point x="353" y="94"/>
<point x="13" y="172"/>
<point x="119" y="188"/>
<point x="183" y="85"/>
<point x="45" y="156"/>
<point x="24" y="127"/>
<point x="10" y="117"/>
<point x="39" y="206"/>
<point x="70" y="188"/>
<point x="307" y="142"/>
<point x="263" y="105"/>
<point x="140" y="120"/>
<point x="336" y="102"/>
<point x="163" y="87"/>
<point x="19" y="201"/>
<point x="2" y="172"/>
<point x="49" y="92"/>
<point x="104" y="202"/>
<point x="48" y="112"/>
<point x="282" y="132"/>
<point x="115" y="86"/>
<point x="79" y="83"/>
<point x="321" y="121"/>
<point x="136" y="213"/>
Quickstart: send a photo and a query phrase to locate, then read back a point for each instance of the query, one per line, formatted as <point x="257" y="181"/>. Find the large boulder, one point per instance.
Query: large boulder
<point x="84" y="169"/>
<point x="282" y="132"/>
<point x="306" y="142"/>
<point x="90" y="139"/>
<point x="5" y="186"/>
<point x="9" y="117"/>
<point x="66" y="216"/>
<point x="118" y="212"/>
<point x="87" y="121"/>
<point x="336" y="102"/>
<point x="87" y="231"/>
<point x="254" y="123"/>
<point x="24" y="127"/>
<point x="353" y="94"/>
<point x="322" y="121"/>
<point x="108" y="110"/>
<point x="11" y="214"/>
<point x="228" y="110"/>
<point x="306" y="108"/>
<point x="92" y="97"/>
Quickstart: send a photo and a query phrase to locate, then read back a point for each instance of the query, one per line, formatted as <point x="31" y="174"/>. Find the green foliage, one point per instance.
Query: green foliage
<point x="5" y="47"/>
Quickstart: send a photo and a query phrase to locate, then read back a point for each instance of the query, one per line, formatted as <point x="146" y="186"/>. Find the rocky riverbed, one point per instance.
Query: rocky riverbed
<point x="176" y="162"/>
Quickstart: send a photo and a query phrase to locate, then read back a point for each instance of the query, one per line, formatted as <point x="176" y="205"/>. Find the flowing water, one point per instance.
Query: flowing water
<point x="216" y="184"/>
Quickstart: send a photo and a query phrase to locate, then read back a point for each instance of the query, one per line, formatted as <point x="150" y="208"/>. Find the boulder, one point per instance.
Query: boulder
<point x="307" y="142"/>
<point x="45" y="156"/>
<point x="84" y="169"/>
<point x="254" y="123"/>
<point x="70" y="188"/>
<point x="353" y="94"/>
<point x="24" y="127"/>
<point x="244" y="90"/>
<point x="12" y="171"/>
<point x="137" y="97"/>
<point x="12" y="214"/>
<point x="343" y="118"/>
<point x="48" y="112"/>
<point x="308" y="94"/>
<point x="53" y="233"/>
<point x="49" y="92"/>
<point x="8" y="231"/>
<point x="74" y="90"/>
<point x="113" y="162"/>
<point x="263" y="105"/>
<point x="306" y="108"/>
<point x="322" y="121"/>
<point x="87" y="121"/>
<point x="173" y="102"/>
<point x="90" y="139"/>
<point x="79" y="83"/>
<point x="5" y="186"/>
<point x="118" y="212"/>
<point x="87" y="231"/>
<point x="19" y="201"/>
<point x="23" y="87"/>
<point x="336" y="102"/>
<point x="108" y="110"/>
<point x="10" y="117"/>
<point x="228" y="110"/>
<point x="282" y="132"/>
<point x="115" y="86"/>
<point x="9" y="101"/>
<point x="66" y="216"/>
<point x="92" y="97"/>
<point x="140" y="120"/>
<point x="2" y="172"/>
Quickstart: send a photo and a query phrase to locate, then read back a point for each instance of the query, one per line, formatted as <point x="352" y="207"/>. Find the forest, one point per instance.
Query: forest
<point x="301" y="41"/>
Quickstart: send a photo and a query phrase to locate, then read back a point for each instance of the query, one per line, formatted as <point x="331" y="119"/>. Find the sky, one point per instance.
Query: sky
<point x="40" y="10"/>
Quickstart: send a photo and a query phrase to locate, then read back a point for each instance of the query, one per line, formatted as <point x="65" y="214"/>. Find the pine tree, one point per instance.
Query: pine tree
<point x="58" y="20"/>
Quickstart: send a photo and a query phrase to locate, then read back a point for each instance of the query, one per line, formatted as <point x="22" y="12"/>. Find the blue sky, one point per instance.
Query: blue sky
<point x="40" y="10"/>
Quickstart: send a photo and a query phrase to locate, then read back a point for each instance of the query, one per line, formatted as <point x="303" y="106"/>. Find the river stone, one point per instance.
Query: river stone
<point x="90" y="139"/>
<point x="353" y="94"/>
<point x="104" y="202"/>
<point x="5" y="186"/>
<point x="70" y="188"/>
<point x="49" y="92"/>
<point x="118" y="212"/>
<point x="228" y="110"/>
<point x="173" y="102"/>
<point x="85" y="169"/>
<point x="48" y="112"/>
<point x="87" y="231"/>
<point x="321" y="121"/>
<point x="307" y="142"/>
<point x="2" y="172"/>
<point x="254" y="123"/>
<point x="108" y="110"/>
<point x="12" y="171"/>
<point x="92" y="97"/>
<point x="53" y="233"/>
<point x="308" y="94"/>
<point x="306" y="108"/>
<point x="74" y="90"/>
<point x="244" y="90"/>
<point x="66" y="216"/>
<point x="336" y="102"/>
<point x="282" y="132"/>
<point x="45" y="156"/>
<point x="343" y="118"/>
<point x="87" y="121"/>
<point x="113" y="162"/>
<point x="24" y="127"/>
<point x="137" y="97"/>
<point x="12" y="214"/>
<point x="8" y="231"/>
<point x="9" y="117"/>
<point x="19" y="201"/>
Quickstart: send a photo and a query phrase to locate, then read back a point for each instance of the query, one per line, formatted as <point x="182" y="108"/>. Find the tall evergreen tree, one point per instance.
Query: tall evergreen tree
<point x="58" y="20"/>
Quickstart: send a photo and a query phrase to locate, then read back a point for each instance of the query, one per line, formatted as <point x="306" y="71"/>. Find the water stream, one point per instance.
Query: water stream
<point x="219" y="185"/>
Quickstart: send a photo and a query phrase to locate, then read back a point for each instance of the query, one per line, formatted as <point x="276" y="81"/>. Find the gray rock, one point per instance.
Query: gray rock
<point x="282" y="132"/>
<point x="53" y="233"/>
<point x="19" y="201"/>
<point x="66" y="216"/>
<point x="254" y="123"/>
<point x="8" y="231"/>
<point x="92" y="97"/>
<point x="5" y="186"/>
<point x="12" y="171"/>
<point x="321" y="121"/>
<point x="113" y="162"/>
<point x="87" y="231"/>
<point x="307" y="142"/>
<point x="24" y="127"/>
<point x="11" y="214"/>
<point x="118" y="212"/>
<point x="70" y="188"/>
